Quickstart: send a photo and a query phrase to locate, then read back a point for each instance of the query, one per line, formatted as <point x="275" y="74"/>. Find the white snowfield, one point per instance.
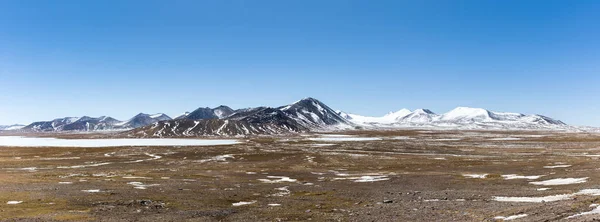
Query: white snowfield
<point x="552" y="198"/>
<point x="560" y="181"/>
<point x="476" y="176"/>
<point x="513" y="217"/>
<point x="515" y="176"/>
<point x="242" y="203"/>
<point x="557" y="166"/>
<point x="18" y="141"/>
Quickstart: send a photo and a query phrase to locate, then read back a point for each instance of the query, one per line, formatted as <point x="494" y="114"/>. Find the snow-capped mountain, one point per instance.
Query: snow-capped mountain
<point x="311" y="113"/>
<point x="53" y="125"/>
<point x="305" y="115"/>
<point x="183" y="115"/>
<point x="389" y="118"/>
<point x="87" y="123"/>
<point x="461" y="117"/>
<point x="466" y="114"/>
<point x="419" y="116"/>
<point x="12" y="127"/>
<point x="207" y="113"/>
<point x="222" y="111"/>
<point x="486" y="118"/>
<point x="141" y="120"/>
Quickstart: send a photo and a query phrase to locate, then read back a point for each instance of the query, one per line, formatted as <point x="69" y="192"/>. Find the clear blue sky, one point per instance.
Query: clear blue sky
<point x="118" y="58"/>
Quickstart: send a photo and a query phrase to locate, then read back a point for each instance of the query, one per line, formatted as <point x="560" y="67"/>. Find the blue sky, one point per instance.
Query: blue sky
<point x="119" y="58"/>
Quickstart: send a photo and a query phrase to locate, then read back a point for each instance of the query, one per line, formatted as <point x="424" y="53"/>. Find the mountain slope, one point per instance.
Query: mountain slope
<point x="466" y="114"/>
<point x="212" y="127"/>
<point x="312" y="113"/>
<point x="419" y="116"/>
<point x="53" y="125"/>
<point x="389" y="118"/>
<point x="207" y="113"/>
<point x="90" y="124"/>
<point x="303" y="116"/>
<point x="141" y="120"/>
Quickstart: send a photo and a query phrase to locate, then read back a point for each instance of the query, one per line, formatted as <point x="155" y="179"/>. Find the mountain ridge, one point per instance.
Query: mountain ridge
<point x="465" y="118"/>
<point x="305" y="115"/>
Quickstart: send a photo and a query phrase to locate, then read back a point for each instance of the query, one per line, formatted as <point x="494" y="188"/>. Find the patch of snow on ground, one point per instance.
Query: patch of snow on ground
<point x="283" y="191"/>
<point x="154" y="157"/>
<point x="364" y="179"/>
<point x="560" y="181"/>
<point x="513" y="217"/>
<point x="274" y="205"/>
<point x="279" y="179"/>
<point x="543" y="189"/>
<point x="594" y="211"/>
<point x="534" y="199"/>
<point x="18" y="141"/>
<point x="475" y="176"/>
<point x="242" y="203"/>
<point x="310" y="159"/>
<point x="515" y="176"/>
<point x="12" y="202"/>
<point x="557" y="166"/>
<point x="141" y="186"/>
<point x="91" y="191"/>
<point x="589" y="192"/>
<point x="82" y="166"/>
<point x="30" y="169"/>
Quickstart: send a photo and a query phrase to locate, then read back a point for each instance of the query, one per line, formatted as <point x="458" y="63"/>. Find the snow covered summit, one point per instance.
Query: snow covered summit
<point x="459" y="118"/>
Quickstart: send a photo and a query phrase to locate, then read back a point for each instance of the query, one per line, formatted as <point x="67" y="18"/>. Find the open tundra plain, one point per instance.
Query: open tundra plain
<point x="402" y="175"/>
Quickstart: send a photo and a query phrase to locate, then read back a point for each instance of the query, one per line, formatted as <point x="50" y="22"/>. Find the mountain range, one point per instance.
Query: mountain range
<point x="460" y="118"/>
<point x="12" y="127"/>
<point x="306" y="115"/>
<point x="302" y="116"/>
<point x="87" y="123"/>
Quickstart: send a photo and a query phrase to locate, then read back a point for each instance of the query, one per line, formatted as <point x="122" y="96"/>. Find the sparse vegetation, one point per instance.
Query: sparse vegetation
<point x="421" y="178"/>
